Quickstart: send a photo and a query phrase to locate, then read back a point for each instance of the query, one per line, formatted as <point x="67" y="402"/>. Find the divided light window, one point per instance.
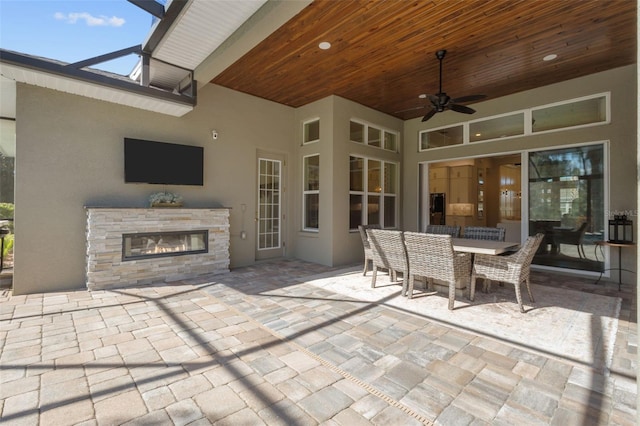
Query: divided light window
<point x="373" y="136"/>
<point x="373" y="192"/>
<point x="311" y="192"/>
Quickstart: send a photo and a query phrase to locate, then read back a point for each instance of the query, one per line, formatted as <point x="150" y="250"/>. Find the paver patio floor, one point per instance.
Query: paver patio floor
<point x="219" y="351"/>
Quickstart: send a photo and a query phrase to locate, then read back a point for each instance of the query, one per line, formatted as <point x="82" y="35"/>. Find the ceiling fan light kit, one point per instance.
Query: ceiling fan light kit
<point x="441" y="101"/>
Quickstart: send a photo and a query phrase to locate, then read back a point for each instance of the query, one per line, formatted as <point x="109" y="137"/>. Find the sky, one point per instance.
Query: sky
<point x="72" y="31"/>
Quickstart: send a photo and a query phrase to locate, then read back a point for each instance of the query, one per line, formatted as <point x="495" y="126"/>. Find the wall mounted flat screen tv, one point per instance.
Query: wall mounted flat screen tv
<point x="162" y="163"/>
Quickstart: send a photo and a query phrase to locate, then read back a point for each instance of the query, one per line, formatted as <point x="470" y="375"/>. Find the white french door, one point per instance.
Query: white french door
<point x="270" y="214"/>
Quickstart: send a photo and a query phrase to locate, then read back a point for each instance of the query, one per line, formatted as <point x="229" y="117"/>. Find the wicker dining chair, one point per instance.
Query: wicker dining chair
<point x="454" y="231"/>
<point x="389" y="253"/>
<point x="484" y="233"/>
<point x="571" y="236"/>
<point x="368" y="253"/>
<point x="432" y="256"/>
<point x="513" y="269"/>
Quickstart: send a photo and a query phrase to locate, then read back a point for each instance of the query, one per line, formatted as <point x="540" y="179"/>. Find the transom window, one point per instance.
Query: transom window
<point x="361" y="132"/>
<point x="581" y="112"/>
<point x="311" y="131"/>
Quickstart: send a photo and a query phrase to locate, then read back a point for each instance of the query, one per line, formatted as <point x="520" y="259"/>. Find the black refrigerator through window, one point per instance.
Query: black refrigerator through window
<point x="437" y="209"/>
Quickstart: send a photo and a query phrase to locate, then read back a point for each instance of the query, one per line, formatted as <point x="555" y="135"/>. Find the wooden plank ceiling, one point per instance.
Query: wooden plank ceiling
<point x="383" y="52"/>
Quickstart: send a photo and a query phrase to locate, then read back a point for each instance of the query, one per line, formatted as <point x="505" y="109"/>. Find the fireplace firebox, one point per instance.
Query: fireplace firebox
<point x="162" y="244"/>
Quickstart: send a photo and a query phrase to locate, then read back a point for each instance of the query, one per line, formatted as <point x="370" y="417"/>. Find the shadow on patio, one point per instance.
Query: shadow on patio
<point x="266" y="345"/>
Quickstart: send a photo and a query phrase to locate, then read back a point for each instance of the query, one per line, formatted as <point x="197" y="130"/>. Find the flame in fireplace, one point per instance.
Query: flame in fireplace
<point x="164" y="244"/>
<point x="163" y="247"/>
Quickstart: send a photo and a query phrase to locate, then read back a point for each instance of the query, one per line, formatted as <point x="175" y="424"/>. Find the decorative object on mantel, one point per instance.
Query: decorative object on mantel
<point x="165" y="199"/>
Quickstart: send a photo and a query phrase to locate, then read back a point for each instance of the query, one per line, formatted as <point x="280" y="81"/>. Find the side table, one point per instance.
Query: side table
<point x="619" y="268"/>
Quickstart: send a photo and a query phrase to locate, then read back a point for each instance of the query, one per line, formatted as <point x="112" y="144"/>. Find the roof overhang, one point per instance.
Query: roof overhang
<point x="194" y="38"/>
<point x="92" y="83"/>
<point x="192" y="30"/>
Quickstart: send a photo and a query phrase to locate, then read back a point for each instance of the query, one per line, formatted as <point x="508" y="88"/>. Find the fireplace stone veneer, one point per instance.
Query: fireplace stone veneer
<point x="106" y="226"/>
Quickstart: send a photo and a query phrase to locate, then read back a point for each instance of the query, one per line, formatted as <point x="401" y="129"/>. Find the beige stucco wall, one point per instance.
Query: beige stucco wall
<point x="621" y="133"/>
<point x="334" y="244"/>
<point x="69" y="153"/>
<point x="309" y="245"/>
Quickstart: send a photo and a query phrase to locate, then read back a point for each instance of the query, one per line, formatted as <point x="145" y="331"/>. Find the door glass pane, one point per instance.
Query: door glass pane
<point x="566" y="203"/>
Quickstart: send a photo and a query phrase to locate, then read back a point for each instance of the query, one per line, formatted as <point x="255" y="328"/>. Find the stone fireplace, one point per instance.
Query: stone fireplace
<point x="133" y="246"/>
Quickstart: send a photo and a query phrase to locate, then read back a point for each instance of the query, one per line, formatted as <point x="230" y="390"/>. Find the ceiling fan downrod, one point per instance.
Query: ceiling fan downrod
<point x="440" y="55"/>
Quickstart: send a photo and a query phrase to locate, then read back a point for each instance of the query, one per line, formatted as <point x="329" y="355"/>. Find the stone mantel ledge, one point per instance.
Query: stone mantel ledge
<point x="106" y="225"/>
<point x="148" y="208"/>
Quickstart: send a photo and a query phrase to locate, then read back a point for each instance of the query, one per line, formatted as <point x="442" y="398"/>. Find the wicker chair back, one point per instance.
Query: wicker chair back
<point x="388" y="253"/>
<point x="454" y="231"/>
<point x="368" y="253"/>
<point x="484" y="233"/>
<point x="432" y="256"/>
<point x="513" y="269"/>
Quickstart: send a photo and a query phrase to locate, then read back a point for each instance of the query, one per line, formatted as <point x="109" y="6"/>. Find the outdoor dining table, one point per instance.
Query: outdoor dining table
<point x="468" y="245"/>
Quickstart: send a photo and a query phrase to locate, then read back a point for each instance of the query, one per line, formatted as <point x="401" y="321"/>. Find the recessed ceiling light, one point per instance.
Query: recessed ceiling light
<point x="324" y="45"/>
<point x="550" y="57"/>
<point x="422" y="96"/>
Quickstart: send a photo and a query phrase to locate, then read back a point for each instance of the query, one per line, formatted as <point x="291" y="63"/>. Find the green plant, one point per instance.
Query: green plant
<point x="6" y="212"/>
<point x="164" y="197"/>
<point x="8" y="245"/>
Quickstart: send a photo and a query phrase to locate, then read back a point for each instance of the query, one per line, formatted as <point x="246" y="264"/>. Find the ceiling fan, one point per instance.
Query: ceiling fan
<point x="441" y="101"/>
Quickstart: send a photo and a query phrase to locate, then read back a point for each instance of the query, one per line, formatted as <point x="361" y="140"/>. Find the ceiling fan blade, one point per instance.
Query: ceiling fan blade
<point x="469" y="98"/>
<point x="429" y="115"/>
<point x="461" y="108"/>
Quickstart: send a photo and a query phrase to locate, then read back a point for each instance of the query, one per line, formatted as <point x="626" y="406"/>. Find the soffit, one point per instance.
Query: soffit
<point x="383" y="53"/>
<point x="201" y="28"/>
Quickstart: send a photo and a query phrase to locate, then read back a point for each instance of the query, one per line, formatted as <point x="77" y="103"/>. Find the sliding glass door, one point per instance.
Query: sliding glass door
<point x="566" y="203"/>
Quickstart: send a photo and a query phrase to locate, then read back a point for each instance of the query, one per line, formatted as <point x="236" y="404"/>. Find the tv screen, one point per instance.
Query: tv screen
<point x="162" y="163"/>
